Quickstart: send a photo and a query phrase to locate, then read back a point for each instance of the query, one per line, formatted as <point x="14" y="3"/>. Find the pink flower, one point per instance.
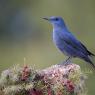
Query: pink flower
<point x="25" y="73"/>
<point x="35" y="92"/>
<point x="49" y="91"/>
<point x="70" y="86"/>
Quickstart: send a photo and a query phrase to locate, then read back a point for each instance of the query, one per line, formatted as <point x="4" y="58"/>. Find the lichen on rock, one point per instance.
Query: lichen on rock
<point x="55" y="80"/>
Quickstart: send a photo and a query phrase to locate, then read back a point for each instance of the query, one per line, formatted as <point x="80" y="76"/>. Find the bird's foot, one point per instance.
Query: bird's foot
<point x="66" y="62"/>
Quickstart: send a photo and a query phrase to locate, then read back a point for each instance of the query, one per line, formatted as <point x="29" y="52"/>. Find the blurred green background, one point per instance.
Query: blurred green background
<point x="25" y="38"/>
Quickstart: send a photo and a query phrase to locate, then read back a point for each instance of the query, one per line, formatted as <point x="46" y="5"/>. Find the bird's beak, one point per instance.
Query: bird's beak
<point x="46" y="18"/>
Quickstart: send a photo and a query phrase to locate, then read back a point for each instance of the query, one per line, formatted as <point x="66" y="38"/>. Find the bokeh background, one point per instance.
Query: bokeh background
<point x="25" y="38"/>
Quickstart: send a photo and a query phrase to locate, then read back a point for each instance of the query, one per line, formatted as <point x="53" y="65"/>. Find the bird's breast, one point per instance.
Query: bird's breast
<point x="59" y="43"/>
<point x="57" y="40"/>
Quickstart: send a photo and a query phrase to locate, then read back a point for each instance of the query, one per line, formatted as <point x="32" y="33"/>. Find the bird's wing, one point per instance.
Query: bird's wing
<point x="74" y="43"/>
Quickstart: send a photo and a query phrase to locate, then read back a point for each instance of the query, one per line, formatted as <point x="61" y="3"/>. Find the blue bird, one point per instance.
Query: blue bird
<point x="66" y="42"/>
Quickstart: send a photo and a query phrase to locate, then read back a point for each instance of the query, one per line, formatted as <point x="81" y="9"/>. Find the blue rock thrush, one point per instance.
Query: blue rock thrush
<point x="66" y="41"/>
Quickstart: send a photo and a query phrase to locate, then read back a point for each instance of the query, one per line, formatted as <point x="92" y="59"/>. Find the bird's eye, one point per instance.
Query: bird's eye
<point x="56" y="19"/>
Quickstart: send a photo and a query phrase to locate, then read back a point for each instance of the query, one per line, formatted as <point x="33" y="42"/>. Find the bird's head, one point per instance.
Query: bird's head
<point x="55" y="21"/>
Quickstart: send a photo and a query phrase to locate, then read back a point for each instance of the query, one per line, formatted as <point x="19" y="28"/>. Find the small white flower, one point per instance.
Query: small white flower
<point x="12" y="90"/>
<point x="29" y="86"/>
<point x="6" y="73"/>
<point x="15" y="78"/>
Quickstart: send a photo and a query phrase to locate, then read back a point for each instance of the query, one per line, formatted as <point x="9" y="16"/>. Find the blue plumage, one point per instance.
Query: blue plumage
<point x="66" y="41"/>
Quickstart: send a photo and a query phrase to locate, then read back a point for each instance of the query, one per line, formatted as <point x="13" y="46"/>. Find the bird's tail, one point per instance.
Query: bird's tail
<point x="87" y="59"/>
<point x="90" y="53"/>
